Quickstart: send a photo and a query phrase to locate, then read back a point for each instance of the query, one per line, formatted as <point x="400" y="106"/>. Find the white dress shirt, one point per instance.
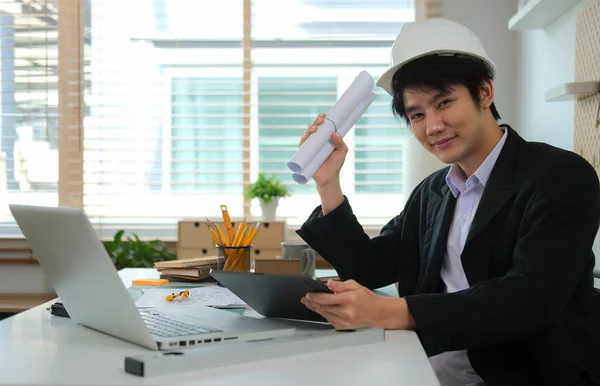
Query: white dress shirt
<point x="453" y="368"/>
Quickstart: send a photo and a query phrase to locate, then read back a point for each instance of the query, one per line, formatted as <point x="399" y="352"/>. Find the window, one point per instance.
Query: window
<point x="287" y="103"/>
<point x="206" y="135"/>
<point x="28" y="104"/>
<point x="186" y="105"/>
<point x="307" y="56"/>
<point x="285" y="107"/>
<point x="378" y="153"/>
<point x="164" y="133"/>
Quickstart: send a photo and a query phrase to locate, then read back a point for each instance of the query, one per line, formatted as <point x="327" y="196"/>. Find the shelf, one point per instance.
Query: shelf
<point x="537" y="14"/>
<point x="572" y="91"/>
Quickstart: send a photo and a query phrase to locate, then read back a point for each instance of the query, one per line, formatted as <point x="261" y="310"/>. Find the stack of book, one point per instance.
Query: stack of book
<point x="194" y="269"/>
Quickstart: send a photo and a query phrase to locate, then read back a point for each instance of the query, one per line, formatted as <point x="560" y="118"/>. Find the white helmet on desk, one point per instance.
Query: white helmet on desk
<point x="432" y="36"/>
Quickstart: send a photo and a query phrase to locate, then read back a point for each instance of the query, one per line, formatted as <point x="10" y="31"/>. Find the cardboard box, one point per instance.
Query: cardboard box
<point x="261" y="253"/>
<point x="194" y="235"/>
<point x="271" y="235"/>
<point x="277" y="266"/>
<point x="188" y="253"/>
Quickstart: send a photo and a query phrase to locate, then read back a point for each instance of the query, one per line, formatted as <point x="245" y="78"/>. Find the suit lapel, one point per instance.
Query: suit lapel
<point x="500" y="187"/>
<point x="442" y="205"/>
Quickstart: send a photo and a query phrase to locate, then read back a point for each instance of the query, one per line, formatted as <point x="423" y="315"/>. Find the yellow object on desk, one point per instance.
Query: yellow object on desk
<point x="179" y="297"/>
<point x="150" y="282"/>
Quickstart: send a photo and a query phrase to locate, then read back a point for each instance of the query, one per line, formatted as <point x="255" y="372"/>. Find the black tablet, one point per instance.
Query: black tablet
<point x="272" y="295"/>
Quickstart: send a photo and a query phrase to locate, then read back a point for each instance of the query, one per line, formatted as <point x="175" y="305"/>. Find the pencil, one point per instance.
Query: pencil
<point x="214" y="236"/>
<point x="249" y="231"/>
<point x="253" y="234"/>
<point x="239" y="238"/>
<point x="228" y="225"/>
<point x="214" y="231"/>
<point x="224" y="242"/>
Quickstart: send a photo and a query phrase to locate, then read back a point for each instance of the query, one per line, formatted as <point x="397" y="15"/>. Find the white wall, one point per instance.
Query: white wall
<point x="489" y="21"/>
<point x="546" y="58"/>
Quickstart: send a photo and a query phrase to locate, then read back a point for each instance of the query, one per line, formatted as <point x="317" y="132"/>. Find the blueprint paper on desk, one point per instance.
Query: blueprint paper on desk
<point x="210" y="296"/>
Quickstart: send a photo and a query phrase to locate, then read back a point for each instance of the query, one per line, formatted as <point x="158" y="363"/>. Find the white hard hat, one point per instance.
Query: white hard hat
<point x="432" y="36"/>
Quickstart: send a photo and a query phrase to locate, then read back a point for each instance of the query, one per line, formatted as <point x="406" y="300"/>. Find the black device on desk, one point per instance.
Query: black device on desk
<point x="59" y="309"/>
<point x="273" y="295"/>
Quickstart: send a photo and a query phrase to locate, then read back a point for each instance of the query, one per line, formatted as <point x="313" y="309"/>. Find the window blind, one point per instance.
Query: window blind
<point x="181" y="119"/>
<point x="164" y="133"/>
<point x="28" y="104"/>
<point x="184" y="104"/>
<point x="305" y="55"/>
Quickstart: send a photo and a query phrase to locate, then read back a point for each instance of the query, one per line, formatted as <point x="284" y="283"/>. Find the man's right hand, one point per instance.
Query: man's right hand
<point x="329" y="172"/>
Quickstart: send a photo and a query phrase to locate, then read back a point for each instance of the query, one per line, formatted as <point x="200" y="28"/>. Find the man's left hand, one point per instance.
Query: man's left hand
<point x="353" y="306"/>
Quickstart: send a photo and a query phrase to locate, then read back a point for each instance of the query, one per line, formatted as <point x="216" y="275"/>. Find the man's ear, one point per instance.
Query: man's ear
<point x="486" y="94"/>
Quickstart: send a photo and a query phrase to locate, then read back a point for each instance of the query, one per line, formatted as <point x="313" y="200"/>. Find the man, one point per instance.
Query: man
<point x="492" y="255"/>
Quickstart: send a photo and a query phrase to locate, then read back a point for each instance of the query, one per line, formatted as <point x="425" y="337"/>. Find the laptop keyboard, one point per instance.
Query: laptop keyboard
<point x="166" y="326"/>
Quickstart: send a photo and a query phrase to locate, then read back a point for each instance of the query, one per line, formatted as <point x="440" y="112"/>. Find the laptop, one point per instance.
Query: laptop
<point x="84" y="277"/>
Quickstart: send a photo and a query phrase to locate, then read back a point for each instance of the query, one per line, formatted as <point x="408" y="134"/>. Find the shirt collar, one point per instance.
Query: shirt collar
<point x="456" y="179"/>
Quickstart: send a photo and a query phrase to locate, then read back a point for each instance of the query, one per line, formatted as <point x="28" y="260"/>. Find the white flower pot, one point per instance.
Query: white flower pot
<point x="269" y="210"/>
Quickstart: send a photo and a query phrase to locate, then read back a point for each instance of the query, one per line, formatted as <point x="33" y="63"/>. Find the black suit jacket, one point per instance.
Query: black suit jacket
<point x="531" y="315"/>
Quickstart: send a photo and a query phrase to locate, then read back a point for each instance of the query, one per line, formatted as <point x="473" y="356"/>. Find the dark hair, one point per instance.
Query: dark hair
<point x="440" y="73"/>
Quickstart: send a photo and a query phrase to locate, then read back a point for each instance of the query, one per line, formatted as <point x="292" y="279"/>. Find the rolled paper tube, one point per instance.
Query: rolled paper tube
<point x="304" y="175"/>
<point x="342" y="116"/>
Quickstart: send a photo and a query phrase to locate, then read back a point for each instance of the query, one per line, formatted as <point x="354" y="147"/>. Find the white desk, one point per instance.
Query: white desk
<point x="37" y="348"/>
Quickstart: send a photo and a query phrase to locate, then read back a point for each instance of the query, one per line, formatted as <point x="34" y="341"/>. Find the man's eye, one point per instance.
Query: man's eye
<point x="445" y="102"/>
<point x="416" y="116"/>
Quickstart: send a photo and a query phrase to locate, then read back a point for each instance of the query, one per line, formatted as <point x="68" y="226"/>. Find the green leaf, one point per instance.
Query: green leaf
<point x="266" y="189"/>
<point x="136" y="253"/>
<point x="118" y="236"/>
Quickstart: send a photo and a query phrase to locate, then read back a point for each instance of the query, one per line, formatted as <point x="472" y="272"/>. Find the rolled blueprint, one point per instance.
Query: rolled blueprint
<point x="342" y="116"/>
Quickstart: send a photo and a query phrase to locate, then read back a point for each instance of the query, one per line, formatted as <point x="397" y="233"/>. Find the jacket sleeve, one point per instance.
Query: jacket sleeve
<point x="341" y="240"/>
<point x="549" y="259"/>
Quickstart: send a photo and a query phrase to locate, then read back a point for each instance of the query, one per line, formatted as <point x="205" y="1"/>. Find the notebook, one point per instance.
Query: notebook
<point x="192" y="272"/>
<point x="192" y="269"/>
<point x="203" y="261"/>
<point x="186" y="274"/>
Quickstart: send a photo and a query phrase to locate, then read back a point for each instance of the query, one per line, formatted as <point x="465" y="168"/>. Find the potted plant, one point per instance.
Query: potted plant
<point x="132" y="252"/>
<point x="268" y="191"/>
